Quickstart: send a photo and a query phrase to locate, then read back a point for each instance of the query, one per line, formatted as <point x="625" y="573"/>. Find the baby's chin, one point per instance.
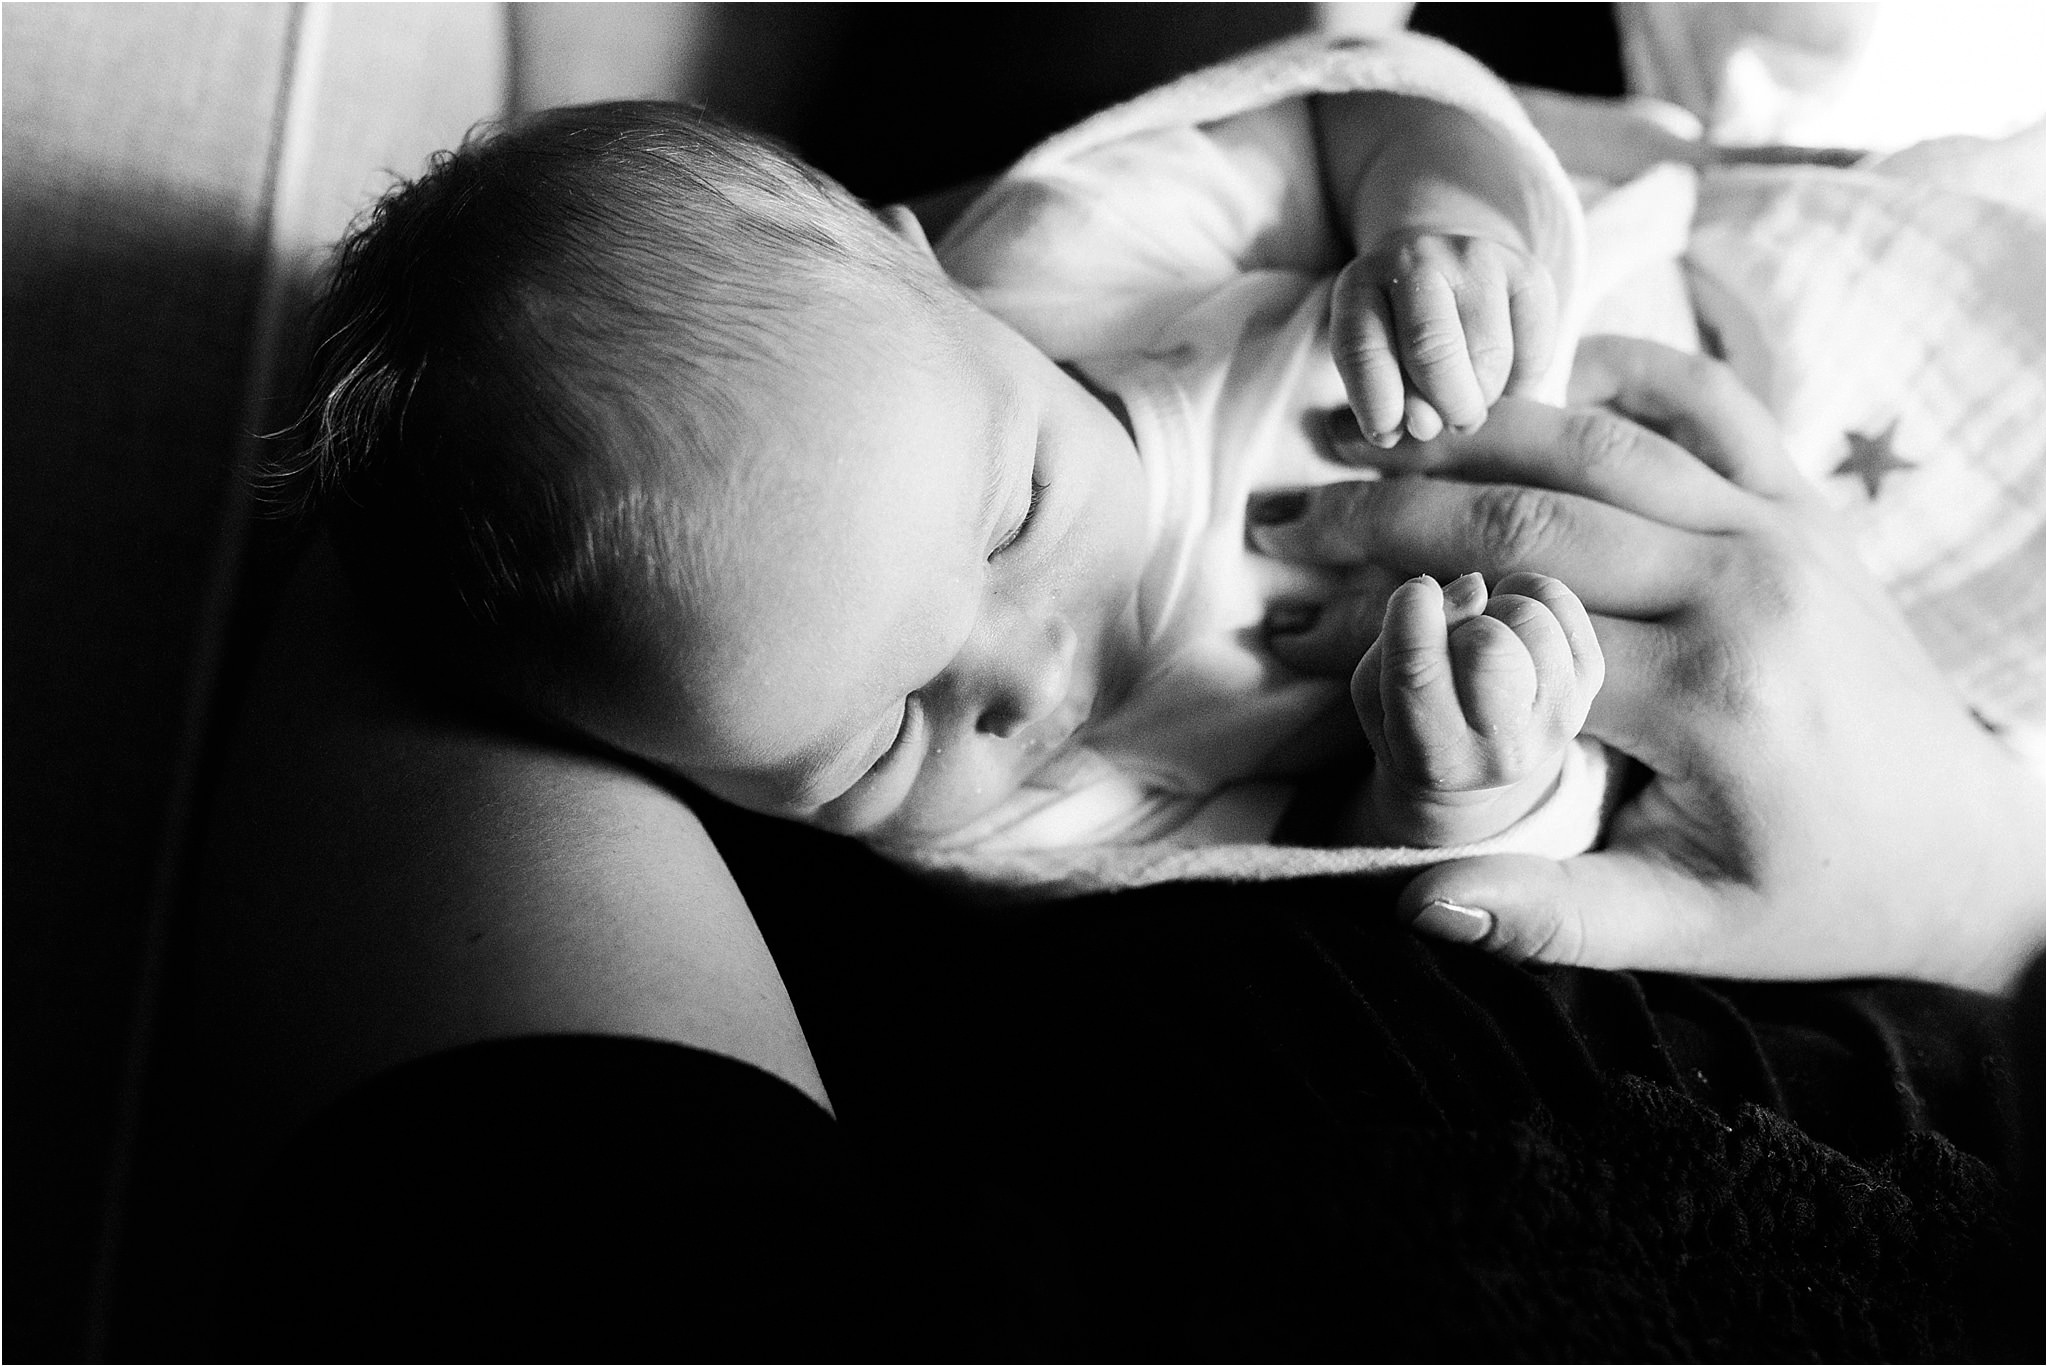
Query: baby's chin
<point x="952" y="812"/>
<point x="924" y="820"/>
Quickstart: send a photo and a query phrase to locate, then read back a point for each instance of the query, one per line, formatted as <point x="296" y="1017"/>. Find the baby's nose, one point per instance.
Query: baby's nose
<point x="1034" y="677"/>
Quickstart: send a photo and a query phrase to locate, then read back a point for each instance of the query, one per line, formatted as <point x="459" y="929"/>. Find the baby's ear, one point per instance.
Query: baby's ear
<point x="900" y="221"/>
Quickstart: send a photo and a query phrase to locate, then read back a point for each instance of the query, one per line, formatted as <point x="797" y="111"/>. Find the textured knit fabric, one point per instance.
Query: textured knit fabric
<point x="1205" y="1122"/>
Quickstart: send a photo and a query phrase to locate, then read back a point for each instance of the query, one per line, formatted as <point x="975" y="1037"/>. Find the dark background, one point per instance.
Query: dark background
<point x="900" y="100"/>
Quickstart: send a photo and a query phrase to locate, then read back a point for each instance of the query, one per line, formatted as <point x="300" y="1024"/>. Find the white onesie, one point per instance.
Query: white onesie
<point x="1188" y="271"/>
<point x="1178" y="250"/>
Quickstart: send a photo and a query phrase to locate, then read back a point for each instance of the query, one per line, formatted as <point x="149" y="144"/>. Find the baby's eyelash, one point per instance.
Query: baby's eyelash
<point x="1038" y="487"/>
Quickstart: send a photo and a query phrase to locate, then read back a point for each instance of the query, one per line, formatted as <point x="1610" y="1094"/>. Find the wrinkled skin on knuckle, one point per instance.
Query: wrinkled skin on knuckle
<point x="1516" y="611"/>
<point x="1766" y="585"/>
<point x="1431" y="342"/>
<point x="1410" y="668"/>
<point x="1722" y="680"/>
<point x="1353" y="352"/>
<point x="1600" y="442"/>
<point x="1488" y="349"/>
<point x="1338" y="527"/>
<point x="1514" y="523"/>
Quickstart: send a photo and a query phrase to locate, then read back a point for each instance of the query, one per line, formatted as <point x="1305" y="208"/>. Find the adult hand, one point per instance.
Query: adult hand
<point x="1821" y="803"/>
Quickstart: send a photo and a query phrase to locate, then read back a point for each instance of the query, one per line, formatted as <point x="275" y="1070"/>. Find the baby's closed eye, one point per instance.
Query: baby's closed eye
<point x="1038" y="488"/>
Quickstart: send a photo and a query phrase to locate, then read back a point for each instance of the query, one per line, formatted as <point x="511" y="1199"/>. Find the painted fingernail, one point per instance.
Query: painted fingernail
<point x="1291" y="617"/>
<point x="1453" y="921"/>
<point x="1275" y="507"/>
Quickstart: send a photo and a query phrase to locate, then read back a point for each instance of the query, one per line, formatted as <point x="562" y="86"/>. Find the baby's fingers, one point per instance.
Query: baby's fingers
<point x="1532" y="323"/>
<point x="1588" y="662"/>
<point x="1413" y="691"/>
<point x="1496" y="676"/>
<point x="1422" y="420"/>
<point x="1485" y="312"/>
<point x="1362" y="343"/>
<point x="1434" y="349"/>
<point x="1554" y="704"/>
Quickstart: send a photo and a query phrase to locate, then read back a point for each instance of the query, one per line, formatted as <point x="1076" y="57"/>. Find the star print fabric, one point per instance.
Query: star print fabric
<point x="1895" y="329"/>
<point x="1872" y="458"/>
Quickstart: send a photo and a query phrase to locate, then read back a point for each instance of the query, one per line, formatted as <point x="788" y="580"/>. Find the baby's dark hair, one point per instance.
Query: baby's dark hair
<point x="516" y="344"/>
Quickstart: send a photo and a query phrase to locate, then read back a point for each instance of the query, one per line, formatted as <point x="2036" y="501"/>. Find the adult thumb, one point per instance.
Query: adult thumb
<point x="1608" y="909"/>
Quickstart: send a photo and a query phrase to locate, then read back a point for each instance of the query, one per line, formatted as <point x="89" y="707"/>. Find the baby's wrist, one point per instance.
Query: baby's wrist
<point x="1394" y="812"/>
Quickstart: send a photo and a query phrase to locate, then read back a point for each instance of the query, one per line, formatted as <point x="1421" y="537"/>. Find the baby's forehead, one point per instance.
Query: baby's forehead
<point x="819" y="370"/>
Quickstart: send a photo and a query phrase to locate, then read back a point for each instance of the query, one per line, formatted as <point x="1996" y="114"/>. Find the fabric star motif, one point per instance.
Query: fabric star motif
<point x="1872" y="458"/>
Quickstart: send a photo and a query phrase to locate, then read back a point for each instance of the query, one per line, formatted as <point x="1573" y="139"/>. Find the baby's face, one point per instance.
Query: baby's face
<point x="920" y="583"/>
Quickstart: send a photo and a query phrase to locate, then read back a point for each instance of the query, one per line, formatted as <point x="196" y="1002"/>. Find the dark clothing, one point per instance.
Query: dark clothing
<point x="1199" y="1122"/>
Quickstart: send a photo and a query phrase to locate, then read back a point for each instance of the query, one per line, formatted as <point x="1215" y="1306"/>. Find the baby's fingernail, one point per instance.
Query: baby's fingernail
<point x="1453" y="921"/>
<point x="1272" y="508"/>
<point x="1292" y="617"/>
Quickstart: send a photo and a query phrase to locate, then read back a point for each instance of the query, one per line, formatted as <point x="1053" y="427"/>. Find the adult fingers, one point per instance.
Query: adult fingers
<point x="1362" y="344"/>
<point x="1618" y="562"/>
<point x="1582" y="450"/>
<point x="1612" y="908"/>
<point x="1695" y="400"/>
<point x="1328" y="638"/>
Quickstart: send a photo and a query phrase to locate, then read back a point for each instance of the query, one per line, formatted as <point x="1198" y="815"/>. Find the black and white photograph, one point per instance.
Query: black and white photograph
<point x="1054" y="682"/>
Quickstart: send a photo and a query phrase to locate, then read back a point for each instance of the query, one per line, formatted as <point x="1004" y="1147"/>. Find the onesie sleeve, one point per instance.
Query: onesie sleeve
<point x="1097" y="238"/>
<point x="1094" y="254"/>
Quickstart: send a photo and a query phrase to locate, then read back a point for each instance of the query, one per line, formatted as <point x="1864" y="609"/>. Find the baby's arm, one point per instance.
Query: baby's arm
<point x="1469" y="704"/>
<point x="1445" y="307"/>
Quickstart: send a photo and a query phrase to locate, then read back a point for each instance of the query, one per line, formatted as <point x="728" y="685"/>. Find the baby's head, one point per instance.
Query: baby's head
<point x="665" y="437"/>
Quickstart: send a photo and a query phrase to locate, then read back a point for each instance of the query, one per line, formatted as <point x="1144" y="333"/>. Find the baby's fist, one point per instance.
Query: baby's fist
<point x="1464" y="696"/>
<point x="1432" y="328"/>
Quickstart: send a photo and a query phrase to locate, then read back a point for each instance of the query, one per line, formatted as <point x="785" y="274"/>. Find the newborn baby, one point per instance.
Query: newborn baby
<point x="670" y="440"/>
